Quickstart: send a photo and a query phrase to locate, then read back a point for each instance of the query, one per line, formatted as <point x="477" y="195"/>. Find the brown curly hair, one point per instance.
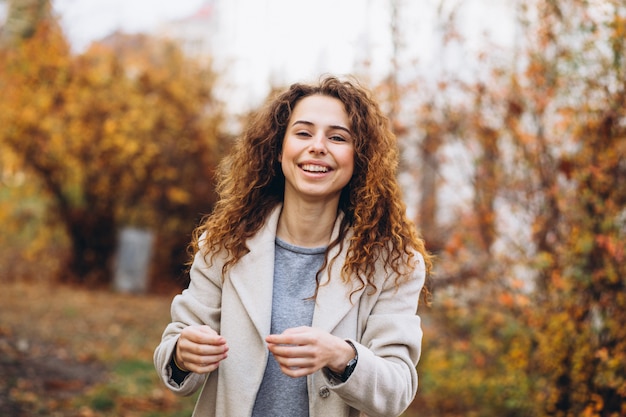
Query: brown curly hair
<point x="251" y="183"/>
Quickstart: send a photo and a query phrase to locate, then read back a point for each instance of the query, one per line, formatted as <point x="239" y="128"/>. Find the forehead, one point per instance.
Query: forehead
<point x="320" y="109"/>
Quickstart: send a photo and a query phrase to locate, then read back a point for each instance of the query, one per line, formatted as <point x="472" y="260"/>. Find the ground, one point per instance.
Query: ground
<point x="71" y="352"/>
<point x="38" y="375"/>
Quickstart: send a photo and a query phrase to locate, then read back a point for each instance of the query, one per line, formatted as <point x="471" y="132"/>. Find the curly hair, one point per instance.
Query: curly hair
<point x="251" y="183"/>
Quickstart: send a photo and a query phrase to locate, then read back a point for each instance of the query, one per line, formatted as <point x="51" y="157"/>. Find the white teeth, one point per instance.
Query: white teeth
<point x="314" y="168"/>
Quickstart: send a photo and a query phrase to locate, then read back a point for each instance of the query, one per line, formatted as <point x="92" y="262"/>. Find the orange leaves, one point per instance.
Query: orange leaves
<point x="613" y="247"/>
<point x="506" y="299"/>
<point x="546" y="296"/>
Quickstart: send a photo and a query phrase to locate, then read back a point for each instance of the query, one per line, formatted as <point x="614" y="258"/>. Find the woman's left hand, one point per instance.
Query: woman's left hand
<point x="301" y="351"/>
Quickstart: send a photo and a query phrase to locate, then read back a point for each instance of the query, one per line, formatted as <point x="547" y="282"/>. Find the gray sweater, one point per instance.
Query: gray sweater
<point x="294" y="284"/>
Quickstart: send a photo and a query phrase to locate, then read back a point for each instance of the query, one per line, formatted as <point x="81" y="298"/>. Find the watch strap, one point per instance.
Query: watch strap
<point x="343" y="377"/>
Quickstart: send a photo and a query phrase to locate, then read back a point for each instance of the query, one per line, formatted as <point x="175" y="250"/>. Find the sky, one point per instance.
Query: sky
<point x="265" y="42"/>
<point x="85" y="21"/>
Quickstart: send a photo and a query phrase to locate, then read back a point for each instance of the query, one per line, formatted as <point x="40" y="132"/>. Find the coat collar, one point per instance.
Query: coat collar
<point x="252" y="279"/>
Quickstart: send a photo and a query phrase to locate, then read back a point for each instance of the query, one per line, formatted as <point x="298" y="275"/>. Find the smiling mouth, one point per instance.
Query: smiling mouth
<point x="314" y="168"/>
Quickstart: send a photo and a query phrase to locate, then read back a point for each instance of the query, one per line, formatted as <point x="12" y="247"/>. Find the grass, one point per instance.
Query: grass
<point x="103" y="343"/>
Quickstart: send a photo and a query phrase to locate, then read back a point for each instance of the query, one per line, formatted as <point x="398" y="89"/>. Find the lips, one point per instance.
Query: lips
<point x="314" y="168"/>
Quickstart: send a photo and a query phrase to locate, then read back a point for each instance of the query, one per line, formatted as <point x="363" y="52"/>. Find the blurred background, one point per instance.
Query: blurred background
<point x="511" y="120"/>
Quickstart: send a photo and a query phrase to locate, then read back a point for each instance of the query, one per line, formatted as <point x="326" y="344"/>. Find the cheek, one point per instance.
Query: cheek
<point x="350" y="160"/>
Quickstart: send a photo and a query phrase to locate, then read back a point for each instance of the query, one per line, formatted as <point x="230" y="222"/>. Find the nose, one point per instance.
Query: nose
<point x="318" y="144"/>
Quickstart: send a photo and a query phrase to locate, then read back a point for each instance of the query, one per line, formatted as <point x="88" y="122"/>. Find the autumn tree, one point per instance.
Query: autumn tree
<point x="127" y="133"/>
<point x="22" y="20"/>
<point x="578" y="146"/>
<point x="529" y="291"/>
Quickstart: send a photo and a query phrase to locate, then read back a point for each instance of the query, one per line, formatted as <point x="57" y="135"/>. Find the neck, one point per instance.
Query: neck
<point x="307" y="226"/>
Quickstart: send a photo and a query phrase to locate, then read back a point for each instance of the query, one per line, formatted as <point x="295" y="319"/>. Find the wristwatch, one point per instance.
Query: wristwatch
<point x="343" y="377"/>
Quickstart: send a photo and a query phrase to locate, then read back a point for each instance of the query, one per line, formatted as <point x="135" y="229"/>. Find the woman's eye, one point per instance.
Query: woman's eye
<point x="337" y="138"/>
<point x="303" y="134"/>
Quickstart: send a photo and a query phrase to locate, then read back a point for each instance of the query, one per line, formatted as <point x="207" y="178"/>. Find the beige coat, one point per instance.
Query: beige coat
<point x="383" y="326"/>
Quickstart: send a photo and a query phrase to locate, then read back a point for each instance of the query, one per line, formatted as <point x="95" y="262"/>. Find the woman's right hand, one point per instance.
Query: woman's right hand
<point x="200" y="349"/>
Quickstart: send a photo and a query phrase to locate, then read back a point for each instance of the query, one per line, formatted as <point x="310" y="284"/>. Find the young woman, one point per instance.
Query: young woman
<point x="307" y="275"/>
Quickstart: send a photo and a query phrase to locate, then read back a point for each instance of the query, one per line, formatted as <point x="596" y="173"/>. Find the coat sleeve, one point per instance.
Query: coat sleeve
<point x="384" y="381"/>
<point x="199" y="304"/>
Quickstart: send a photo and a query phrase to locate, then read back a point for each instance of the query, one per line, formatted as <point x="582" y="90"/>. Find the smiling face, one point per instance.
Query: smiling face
<point x="318" y="150"/>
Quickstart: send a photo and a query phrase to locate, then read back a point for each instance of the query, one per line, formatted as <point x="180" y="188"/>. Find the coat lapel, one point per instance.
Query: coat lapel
<point x="252" y="277"/>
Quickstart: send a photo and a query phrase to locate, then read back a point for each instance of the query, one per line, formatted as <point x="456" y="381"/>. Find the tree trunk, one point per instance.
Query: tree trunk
<point x="22" y="19"/>
<point x="93" y="239"/>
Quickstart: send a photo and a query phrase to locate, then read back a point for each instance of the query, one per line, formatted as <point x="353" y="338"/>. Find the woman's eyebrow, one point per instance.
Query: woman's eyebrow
<point x="307" y="123"/>
<point x="304" y="122"/>
<point x="345" y="129"/>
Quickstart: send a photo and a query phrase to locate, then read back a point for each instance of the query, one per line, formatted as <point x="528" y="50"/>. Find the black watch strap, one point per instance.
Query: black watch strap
<point x="343" y="377"/>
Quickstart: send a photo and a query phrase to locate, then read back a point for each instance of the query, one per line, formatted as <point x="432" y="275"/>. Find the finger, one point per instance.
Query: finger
<point x="296" y="367"/>
<point x="200" y="349"/>
<point x="202" y="355"/>
<point x="207" y="330"/>
<point x="203" y="367"/>
<point x="203" y="335"/>
<point x="296" y="372"/>
<point x="295" y="357"/>
<point x="287" y="339"/>
<point x="203" y="363"/>
<point x="294" y="362"/>
<point x="287" y="351"/>
<point x="297" y="330"/>
<point x="288" y="335"/>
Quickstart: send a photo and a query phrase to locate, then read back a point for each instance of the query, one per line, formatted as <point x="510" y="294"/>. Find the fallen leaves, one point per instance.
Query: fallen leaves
<point x="69" y="352"/>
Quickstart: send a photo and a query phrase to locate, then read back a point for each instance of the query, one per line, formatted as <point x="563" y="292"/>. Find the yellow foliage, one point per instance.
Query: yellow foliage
<point x="121" y="132"/>
<point x="178" y="195"/>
